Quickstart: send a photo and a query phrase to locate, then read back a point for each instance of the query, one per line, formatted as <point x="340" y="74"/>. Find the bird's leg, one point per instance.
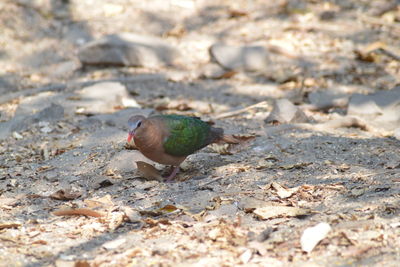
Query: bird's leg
<point x="173" y="173"/>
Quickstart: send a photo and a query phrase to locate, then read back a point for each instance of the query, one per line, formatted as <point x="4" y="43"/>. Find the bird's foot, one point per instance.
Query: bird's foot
<point x="173" y="174"/>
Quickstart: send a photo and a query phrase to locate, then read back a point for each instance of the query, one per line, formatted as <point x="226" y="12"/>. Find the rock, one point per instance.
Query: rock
<point x="327" y="15"/>
<point x="248" y="204"/>
<point x="26" y="114"/>
<point x="125" y="160"/>
<point x="61" y="70"/>
<point x="215" y="71"/>
<point x="52" y="113"/>
<point x="381" y="109"/>
<point x="285" y="112"/>
<point x="120" y="118"/>
<point x="105" y="135"/>
<point x="247" y="58"/>
<point x="323" y="100"/>
<point x="127" y="49"/>
<point x="227" y="211"/>
<point x="397" y="133"/>
<point x="104" y="98"/>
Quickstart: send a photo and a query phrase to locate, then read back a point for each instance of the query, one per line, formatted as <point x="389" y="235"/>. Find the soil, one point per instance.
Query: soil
<point x="70" y="191"/>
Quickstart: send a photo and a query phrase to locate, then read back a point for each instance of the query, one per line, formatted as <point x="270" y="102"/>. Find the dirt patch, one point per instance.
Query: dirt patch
<point x="70" y="191"/>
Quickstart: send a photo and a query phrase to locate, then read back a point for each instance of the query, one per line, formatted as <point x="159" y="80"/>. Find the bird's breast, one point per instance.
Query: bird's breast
<point x="153" y="149"/>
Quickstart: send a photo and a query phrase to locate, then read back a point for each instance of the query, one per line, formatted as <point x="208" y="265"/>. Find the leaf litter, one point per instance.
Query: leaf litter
<point x="340" y="193"/>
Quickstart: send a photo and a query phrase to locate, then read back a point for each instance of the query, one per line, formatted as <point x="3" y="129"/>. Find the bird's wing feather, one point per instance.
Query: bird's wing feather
<point x="186" y="135"/>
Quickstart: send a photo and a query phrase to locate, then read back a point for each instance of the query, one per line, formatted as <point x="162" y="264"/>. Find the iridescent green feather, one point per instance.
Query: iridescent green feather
<point x="187" y="134"/>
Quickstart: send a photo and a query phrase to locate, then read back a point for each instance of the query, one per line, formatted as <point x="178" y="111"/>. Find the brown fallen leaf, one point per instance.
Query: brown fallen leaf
<point x="9" y="225"/>
<point x="299" y="165"/>
<point x="168" y="208"/>
<point x="81" y="211"/>
<point x="268" y="212"/>
<point x="234" y="13"/>
<point x="283" y="192"/>
<point x="105" y="201"/>
<point x="243" y="142"/>
<point x="152" y="222"/>
<point x="148" y="171"/>
<point x="226" y="75"/>
<point x="65" y="194"/>
<point x="159" y="212"/>
<point x="39" y="242"/>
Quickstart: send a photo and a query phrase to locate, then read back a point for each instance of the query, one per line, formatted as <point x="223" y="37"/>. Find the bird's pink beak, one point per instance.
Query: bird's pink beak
<point x="130" y="136"/>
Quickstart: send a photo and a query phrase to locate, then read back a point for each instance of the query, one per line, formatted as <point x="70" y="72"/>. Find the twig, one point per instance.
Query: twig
<point x="389" y="53"/>
<point x="212" y="181"/>
<point x="242" y="110"/>
<point x="91" y="156"/>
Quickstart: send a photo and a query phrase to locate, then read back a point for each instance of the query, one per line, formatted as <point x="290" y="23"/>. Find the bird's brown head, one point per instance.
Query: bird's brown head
<point x="135" y="124"/>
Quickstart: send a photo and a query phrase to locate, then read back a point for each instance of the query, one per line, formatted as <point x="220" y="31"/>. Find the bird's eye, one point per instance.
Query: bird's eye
<point x="138" y="124"/>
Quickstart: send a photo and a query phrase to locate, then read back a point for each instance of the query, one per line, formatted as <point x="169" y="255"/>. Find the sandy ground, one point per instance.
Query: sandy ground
<point x="248" y="205"/>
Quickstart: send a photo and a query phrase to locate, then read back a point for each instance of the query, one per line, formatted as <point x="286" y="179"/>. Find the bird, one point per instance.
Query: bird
<point x="170" y="139"/>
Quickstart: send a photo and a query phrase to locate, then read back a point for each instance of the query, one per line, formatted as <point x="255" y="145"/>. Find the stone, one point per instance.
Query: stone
<point x="324" y="100"/>
<point x="285" y="112"/>
<point x="226" y="210"/>
<point x="128" y="49"/>
<point x="380" y="109"/>
<point x="124" y="161"/>
<point x="213" y="71"/>
<point x="53" y="112"/>
<point x="246" y="58"/>
<point x="327" y="15"/>
<point x="120" y="118"/>
<point x="103" y="97"/>
<point x="27" y="113"/>
<point x="397" y="133"/>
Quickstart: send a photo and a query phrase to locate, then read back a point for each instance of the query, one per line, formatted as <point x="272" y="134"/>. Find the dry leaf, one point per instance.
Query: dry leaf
<point x="243" y="142"/>
<point x="82" y="211"/>
<point x="312" y="235"/>
<point x="44" y="168"/>
<point x="115" y="220"/>
<point x="268" y="212"/>
<point x="226" y="75"/>
<point x="105" y="201"/>
<point x="148" y="171"/>
<point x="264" y="164"/>
<point x="82" y="263"/>
<point x="9" y="225"/>
<point x="299" y="165"/>
<point x="158" y="212"/>
<point x="132" y="215"/>
<point x="65" y="194"/>
<point x="233" y="13"/>
<point x="167" y="104"/>
<point x="283" y="192"/>
<point x="39" y="242"/>
<point x="169" y="208"/>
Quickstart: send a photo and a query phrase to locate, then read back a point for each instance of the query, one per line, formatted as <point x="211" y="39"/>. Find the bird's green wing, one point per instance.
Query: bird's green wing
<point x="187" y="135"/>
